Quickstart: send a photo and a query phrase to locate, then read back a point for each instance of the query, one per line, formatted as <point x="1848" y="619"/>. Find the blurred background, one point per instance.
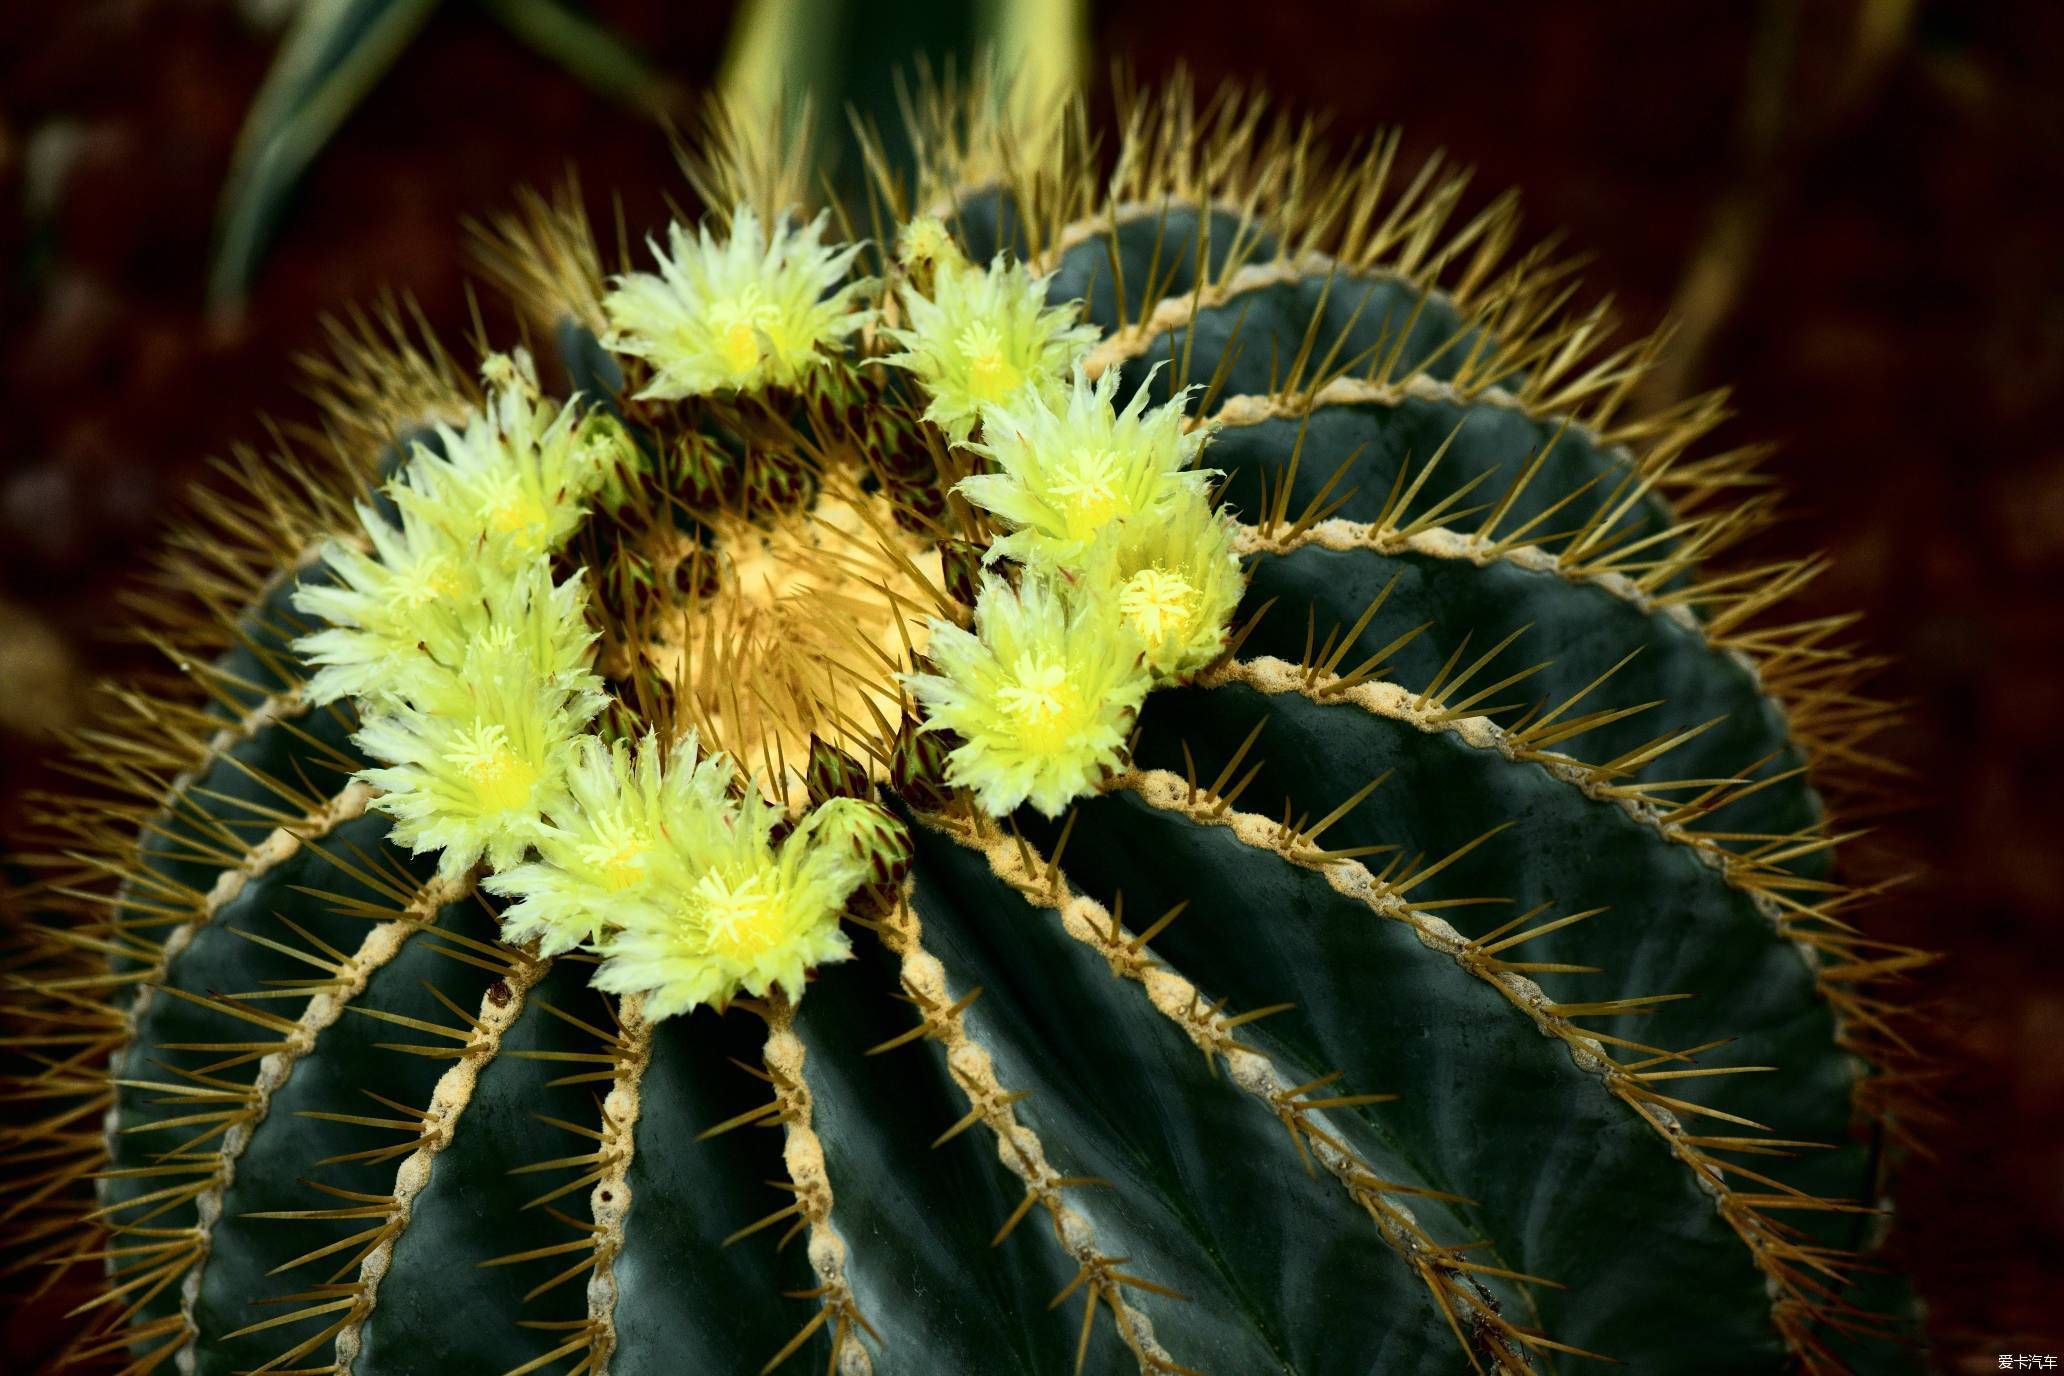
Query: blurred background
<point x="1853" y="208"/>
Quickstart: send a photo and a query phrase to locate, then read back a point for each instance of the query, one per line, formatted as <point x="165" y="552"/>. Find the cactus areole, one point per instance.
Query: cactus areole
<point x="1134" y="766"/>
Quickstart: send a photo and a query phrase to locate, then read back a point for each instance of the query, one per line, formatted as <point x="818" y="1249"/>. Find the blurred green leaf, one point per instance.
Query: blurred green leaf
<point x="596" y="57"/>
<point x="857" y="54"/>
<point x="333" y="56"/>
<point x="335" y="52"/>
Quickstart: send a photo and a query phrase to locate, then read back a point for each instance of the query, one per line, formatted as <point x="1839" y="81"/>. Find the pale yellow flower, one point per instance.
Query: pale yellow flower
<point x="979" y="336"/>
<point x="1042" y="694"/>
<point x="516" y="479"/>
<point x="476" y="515"/>
<point x="1068" y="465"/>
<point x="755" y="309"/>
<point x="1174" y="581"/>
<point x="607" y="849"/>
<point x="475" y="756"/>
<point x="736" y="913"/>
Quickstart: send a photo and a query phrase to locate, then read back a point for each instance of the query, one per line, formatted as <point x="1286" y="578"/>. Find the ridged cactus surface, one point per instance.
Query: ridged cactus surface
<point x="1449" y="970"/>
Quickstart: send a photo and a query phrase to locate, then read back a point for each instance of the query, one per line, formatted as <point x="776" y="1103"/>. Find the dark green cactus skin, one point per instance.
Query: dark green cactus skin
<point x="1257" y="1260"/>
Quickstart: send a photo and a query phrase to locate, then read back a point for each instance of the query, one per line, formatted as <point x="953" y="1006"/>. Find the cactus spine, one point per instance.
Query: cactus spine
<point x="1302" y="862"/>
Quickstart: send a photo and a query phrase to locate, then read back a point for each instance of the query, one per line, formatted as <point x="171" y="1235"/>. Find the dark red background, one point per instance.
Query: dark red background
<point x="1896" y="322"/>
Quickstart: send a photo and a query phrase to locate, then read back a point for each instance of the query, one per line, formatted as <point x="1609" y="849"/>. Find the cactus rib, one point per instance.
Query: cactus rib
<point x="154" y="981"/>
<point x="345" y="977"/>
<point x="612" y="1199"/>
<point x="480" y="1039"/>
<point x="1794" y="1270"/>
<point x="809" y="1181"/>
<point x="1018" y="1146"/>
<point x="1044" y="886"/>
<point x="1849" y="975"/>
<point x="1224" y="1320"/>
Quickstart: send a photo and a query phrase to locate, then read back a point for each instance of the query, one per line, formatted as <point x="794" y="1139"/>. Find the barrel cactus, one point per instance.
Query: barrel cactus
<point x="1081" y="764"/>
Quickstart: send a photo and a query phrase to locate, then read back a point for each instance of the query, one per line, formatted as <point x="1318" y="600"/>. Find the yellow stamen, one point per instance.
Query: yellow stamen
<point x="1157" y="604"/>
<point x="618" y="866"/>
<point x="743" y="922"/>
<point x="519" y="514"/>
<point x="1044" y="705"/>
<point x="1087" y="489"/>
<point x="991" y="376"/>
<point x="503" y="780"/>
<point x="742" y="347"/>
<point x="442" y="582"/>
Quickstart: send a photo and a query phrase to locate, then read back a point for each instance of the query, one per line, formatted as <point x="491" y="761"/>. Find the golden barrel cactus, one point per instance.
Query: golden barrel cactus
<point x="1095" y="763"/>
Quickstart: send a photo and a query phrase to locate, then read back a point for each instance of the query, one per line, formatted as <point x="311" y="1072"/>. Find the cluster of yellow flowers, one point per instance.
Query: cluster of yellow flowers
<point x="470" y="665"/>
<point x="473" y="672"/>
<point x="473" y="669"/>
<point x="683" y="887"/>
<point x="1129" y="576"/>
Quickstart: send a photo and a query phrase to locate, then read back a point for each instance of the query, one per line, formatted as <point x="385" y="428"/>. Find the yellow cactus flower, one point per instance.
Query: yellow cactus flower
<point x="537" y="624"/>
<point x="476" y="756"/>
<point x="417" y="582"/>
<point x="475" y="720"/>
<point x="515" y="480"/>
<point x="925" y="242"/>
<point x="505" y="491"/>
<point x="1174" y="581"/>
<point x="1070" y="464"/>
<point x="736" y="913"/>
<point x="391" y="622"/>
<point x="760" y="308"/>
<point x="608" y="849"/>
<point x="1041" y="694"/>
<point x="979" y="336"/>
